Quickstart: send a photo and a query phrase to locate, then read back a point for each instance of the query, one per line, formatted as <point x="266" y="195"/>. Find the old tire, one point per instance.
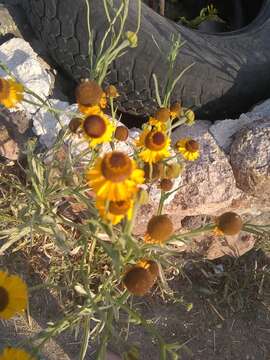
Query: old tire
<point x="231" y="70"/>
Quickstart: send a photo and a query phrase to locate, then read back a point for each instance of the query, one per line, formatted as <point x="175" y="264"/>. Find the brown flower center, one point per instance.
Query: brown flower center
<point x="116" y="166"/>
<point x="94" y="126"/>
<point x="4" y="298"/>
<point x="155" y="140"/>
<point x="119" y="207"/>
<point x="192" y="146"/>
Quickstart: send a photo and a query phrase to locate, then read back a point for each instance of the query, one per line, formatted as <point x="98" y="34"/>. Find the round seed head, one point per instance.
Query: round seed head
<point x="74" y="124"/>
<point x="88" y="93"/>
<point x="121" y="133"/>
<point x="138" y="281"/>
<point x="162" y="114"/>
<point x="166" y="184"/>
<point x="229" y="223"/>
<point x="160" y="228"/>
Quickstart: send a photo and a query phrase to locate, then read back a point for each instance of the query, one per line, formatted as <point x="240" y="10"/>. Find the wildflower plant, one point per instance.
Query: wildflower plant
<point x="82" y="209"/>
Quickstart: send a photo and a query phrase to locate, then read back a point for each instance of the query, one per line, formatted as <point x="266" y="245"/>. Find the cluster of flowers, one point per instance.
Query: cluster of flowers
<point x="116" y="179"/>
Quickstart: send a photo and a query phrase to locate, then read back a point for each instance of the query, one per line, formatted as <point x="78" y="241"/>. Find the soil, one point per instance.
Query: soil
<point x="229" y="318"/>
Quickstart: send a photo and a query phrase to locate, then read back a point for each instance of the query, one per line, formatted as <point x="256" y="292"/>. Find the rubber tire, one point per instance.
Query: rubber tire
<point x="231" y="71"/>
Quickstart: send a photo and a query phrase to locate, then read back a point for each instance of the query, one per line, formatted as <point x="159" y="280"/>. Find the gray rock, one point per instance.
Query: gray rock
<point x="250" y="159"/>
<point x="224" y="131"/>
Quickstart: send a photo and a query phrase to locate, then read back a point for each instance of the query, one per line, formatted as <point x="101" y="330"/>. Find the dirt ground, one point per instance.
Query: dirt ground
<point x="229" y="318"/>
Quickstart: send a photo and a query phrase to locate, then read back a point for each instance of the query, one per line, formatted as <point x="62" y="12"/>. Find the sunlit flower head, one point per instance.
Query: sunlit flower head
<point x="15" y="354"/>
<point x="140" y="278"/>
<point x="115" y="211"/>
<point x="13" y="295"/>
<point x="11" y="93"/>
<point x="228" y="223"/>
<point x="189" y="148"/>
<point x="159" y="229"/>
<point x="154" y="146"/>
<point x="115" y="177"/>
<point x="98" y="129"/>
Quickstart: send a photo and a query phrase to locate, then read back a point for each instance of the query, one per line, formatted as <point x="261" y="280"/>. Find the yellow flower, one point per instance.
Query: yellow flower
<point x="13" y="295"/>
<point x="154" y="146"/>
<point x="115" y="211"/>
<point x="115" y="177"/>
<point x="189" y="148"/>
<point x="11" y="93"/>
<point x="89" y="110"/>
<point x="140" y="278"/>
<point x="159" y="229"/>
<point x="15" y="354"/>
<point x="157" y="124"/>
<point x="97" y="129"/>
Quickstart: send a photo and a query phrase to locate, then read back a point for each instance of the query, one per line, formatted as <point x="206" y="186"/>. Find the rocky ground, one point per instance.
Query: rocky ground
<point x="233" y="173"/>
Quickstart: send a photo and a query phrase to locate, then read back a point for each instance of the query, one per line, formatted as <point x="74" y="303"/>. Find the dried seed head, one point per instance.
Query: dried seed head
<point x="162" y="114"/>
<point x="88" y="93"/>
<point x="166" y="184"/>
<point x="160" y="228"/>
<point x="111" y="92"/>
<point x="121" y="133"/>
<point x="229" y="223"/>
<point x="74" y="124"/>
<point x="116" y="166"/>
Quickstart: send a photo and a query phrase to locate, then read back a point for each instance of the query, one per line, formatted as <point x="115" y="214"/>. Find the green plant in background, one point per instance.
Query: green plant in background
<point x="206" y="14"/>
